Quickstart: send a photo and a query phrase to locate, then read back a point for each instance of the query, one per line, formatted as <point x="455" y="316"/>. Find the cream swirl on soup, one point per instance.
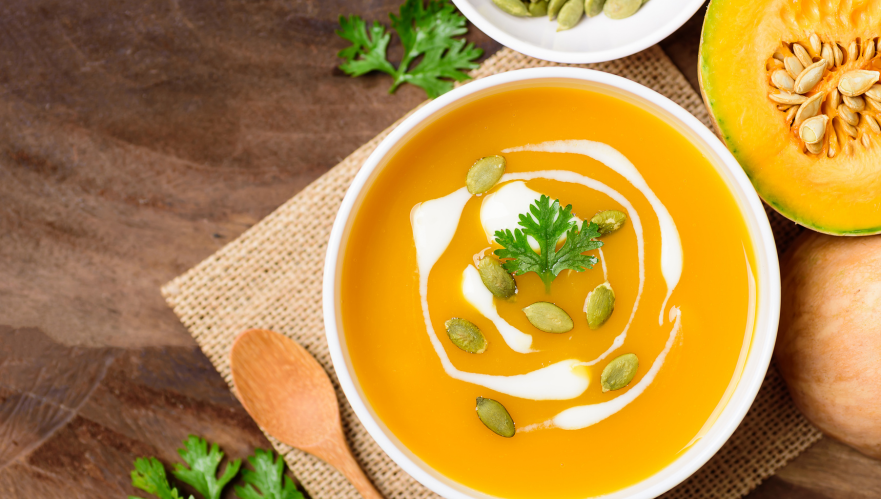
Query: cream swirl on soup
<point x="434" y="224"/>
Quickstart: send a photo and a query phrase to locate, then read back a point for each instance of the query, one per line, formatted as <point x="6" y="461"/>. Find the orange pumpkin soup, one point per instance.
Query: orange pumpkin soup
<point x="683" y="234"/>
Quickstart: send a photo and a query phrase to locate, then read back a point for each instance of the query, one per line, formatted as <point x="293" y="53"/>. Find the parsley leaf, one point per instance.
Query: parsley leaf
<point x="426" y="31"/>
<point x="202" y="474"/>
<point x="268" y="477"/>
<point x="370" y="47"/>
<point x="149" y="476"/>
<point x="546" y="222"/>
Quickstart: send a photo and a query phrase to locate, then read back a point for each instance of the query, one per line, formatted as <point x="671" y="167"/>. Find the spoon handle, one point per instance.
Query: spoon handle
<point x="340" y="457"/>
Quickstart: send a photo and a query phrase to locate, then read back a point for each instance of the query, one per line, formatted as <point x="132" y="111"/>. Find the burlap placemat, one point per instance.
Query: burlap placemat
<point x="270" y="278"/>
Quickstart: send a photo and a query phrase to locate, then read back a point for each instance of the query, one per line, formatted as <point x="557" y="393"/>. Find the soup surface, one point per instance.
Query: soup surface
<point x="686" y="362"/>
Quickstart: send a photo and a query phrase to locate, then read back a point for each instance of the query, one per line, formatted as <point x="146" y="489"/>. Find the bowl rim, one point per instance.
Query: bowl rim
<point x="583" y="57"/>
<point x="767" y="269"/>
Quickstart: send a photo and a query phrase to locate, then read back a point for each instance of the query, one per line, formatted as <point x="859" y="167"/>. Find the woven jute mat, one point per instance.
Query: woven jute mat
<point x="270" y="278"/>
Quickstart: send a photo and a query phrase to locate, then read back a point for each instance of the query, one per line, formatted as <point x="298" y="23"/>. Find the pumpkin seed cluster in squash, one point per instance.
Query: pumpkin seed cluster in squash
<point x="793" y="88"/>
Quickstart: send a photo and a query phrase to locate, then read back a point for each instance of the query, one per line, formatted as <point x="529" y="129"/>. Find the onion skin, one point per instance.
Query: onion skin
<point x="829" y="343"/>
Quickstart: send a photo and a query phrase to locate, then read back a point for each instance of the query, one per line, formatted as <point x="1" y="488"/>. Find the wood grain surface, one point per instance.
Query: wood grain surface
<point x="137" y="138"/>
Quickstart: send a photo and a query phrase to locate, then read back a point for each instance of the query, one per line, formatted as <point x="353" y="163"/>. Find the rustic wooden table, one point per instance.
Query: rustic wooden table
<point x="137" y="138"/>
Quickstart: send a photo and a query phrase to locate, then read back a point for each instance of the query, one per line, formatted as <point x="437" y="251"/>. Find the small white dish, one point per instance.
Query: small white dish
<point x="595" y="39"/>
<point x="728" y="416"/>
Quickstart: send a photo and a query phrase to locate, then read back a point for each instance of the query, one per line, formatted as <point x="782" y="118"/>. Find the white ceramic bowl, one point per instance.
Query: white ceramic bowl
<point x="594" y="39"/>
<point x="766" y="268"/>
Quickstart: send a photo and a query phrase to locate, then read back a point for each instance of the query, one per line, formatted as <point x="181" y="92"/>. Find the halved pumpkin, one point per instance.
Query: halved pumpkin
<point x="806" y="133"/>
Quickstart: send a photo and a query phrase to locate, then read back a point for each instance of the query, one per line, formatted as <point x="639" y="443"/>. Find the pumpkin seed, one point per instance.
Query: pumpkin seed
<point x="609" y="221"/>
<point x="848" y="129"/>
<point x="793" y="66"/>
<point x="809" y="108"/>
<point x="513" y="7"/>
<point x="873" y="104"/>
<point x="874" y="92"/>
<point x="621" y="9"/>
<point x="548" y="317"/>
<point x="496" y="279"/>
<point x="790" y="115"/>
<point x="873" y="123"/>
<point x="848" y="115"/>
<point x="593" y="7"/>
<point x="599" y="305"/>
<point x="834" y="98"/>
<point x="465" y="335"/>
<point x="813" y="129"/>
<point x="538" y="9"/>
<point x="827" y="53"/>
<point x="802" y="54"/>
<point x="853" y="51"/>
<point x="816" y="46"/>
<point x="856" y="91"/>
<point x="787" y="98"/>
<point x="856" y="82"/>
<point x="809" y="78"/>
<point x="620" y="372"/>
<point x="780" y="53"/>
<point x="833" y="145"/>
<point x="782" y="80"/>
<point x="855" y="104"/>
<point x="485" y="173"/>
<point x="569" y="15"/>
<point x="495" y="417"/>
<point x="554" y="8"/>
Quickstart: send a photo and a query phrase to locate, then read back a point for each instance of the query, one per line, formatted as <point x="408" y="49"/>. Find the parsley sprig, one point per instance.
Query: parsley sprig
<point x="149" y="476"/>
<point x="546" y="222"/>
<point x="267" y="477"/>
<point x="266" y="481"/>
<point x="202" y="472"/>
<point x="432" y="54"/>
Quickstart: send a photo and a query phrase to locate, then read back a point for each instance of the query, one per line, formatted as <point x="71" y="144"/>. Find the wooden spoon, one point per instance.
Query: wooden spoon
<point x="288" y="393"/>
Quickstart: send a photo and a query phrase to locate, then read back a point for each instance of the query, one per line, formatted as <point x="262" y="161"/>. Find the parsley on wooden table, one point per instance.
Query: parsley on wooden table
<point x="266" y="481"/>
<point x="149" y="476"/>
<point x="546" y="222"/>
<point x="432" y="54"/>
